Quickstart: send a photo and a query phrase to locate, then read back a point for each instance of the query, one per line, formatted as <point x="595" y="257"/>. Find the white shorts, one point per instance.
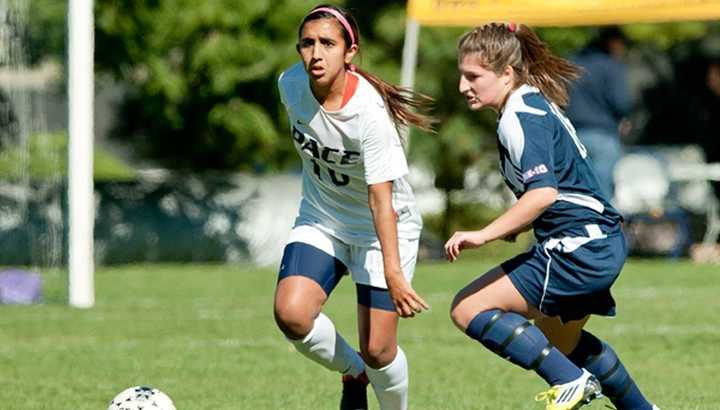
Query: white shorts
<point x="365" y="263"/>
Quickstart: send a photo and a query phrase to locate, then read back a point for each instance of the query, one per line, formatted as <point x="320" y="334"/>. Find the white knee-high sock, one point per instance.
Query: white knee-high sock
<point x="391" y="383"/>
<point x="326" y="347"/>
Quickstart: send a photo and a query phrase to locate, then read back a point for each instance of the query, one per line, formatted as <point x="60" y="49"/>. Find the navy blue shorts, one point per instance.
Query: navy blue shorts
<point x="306" y="260"/>
<point x="570" y="276"/>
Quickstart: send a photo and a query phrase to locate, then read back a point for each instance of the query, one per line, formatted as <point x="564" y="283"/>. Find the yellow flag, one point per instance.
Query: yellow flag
<point x="559" y="12"/>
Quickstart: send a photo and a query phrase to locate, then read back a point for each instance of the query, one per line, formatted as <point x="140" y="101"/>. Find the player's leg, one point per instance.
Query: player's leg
<point x="586" y="350"/>
<point x="492" y="311"/>
<point x="386" y="364"/>
<point x="563" y="335"/>
<point x="308" y="274"/>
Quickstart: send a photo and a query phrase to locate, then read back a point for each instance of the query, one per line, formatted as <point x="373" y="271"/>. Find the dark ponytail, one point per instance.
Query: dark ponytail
<point x="406" y="106"/>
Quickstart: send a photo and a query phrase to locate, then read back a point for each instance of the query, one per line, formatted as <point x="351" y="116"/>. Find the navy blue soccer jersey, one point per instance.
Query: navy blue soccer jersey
<point x="539" y="148"/>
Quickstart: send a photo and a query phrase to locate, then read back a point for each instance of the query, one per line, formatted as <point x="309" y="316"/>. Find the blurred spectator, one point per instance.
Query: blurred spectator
<point x="688" y="112"/>
<point x="708" y="129"/>
<point x="599" y="100"/>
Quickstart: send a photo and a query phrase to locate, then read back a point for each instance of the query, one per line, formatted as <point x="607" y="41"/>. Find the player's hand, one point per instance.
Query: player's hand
<point x="462" y="240"/>
<point x="407" y="302"/>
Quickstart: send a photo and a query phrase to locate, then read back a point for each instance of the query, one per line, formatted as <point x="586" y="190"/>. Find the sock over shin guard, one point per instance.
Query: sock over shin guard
<point x="326" y="347"/>
<point x="600" y="360"/>
<point x="391" y="383"/>
<point x="513" y="337"/>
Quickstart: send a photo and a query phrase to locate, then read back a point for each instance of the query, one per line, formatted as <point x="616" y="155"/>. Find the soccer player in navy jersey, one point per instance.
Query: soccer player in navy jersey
<point x="357" y="211"/>
<point x="580" y="249"/>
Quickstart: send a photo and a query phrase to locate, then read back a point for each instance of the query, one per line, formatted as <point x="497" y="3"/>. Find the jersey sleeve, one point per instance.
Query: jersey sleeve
<point x="291" y="84"/>
<point x="537" y="162"/>
<point x="383" y="154"/>
<point x="281" y="83"/>
<point x="529" y="144"/>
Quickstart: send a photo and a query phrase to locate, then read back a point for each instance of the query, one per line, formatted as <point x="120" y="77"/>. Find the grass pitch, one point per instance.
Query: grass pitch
<point x="204" y="334"/>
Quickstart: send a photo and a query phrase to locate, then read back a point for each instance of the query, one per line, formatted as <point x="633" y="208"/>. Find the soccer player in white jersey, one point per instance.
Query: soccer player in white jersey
<point x="357" y="211"/>
<point x="580" y="249"/>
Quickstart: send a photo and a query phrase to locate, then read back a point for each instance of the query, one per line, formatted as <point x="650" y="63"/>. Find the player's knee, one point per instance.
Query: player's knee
<point x="378" y="354"/>
<point x="293" y="320"/>
<point x="462" y="314"/>
<point x="458" y="313"/>
<point x="458" y="317"/>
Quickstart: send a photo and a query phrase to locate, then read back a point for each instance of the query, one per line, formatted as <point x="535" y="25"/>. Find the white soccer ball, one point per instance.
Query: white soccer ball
<point x="141" y="398"/>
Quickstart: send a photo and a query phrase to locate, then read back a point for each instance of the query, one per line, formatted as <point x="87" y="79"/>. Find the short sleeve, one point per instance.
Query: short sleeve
<point x="281" y="89"/>
<point x="537" y="162"/>
<point x="383" y="154"/>
<point x="291" y="84"/>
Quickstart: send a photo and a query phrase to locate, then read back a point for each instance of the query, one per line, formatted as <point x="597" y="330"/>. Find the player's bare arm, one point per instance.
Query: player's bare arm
<point x="406" y="301"/>
<point x="530" y="206"/>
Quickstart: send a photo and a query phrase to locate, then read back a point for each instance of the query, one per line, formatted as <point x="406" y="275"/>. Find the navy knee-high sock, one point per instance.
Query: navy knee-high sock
<point x="512" y="336"/>
<point x="600" y="360"/>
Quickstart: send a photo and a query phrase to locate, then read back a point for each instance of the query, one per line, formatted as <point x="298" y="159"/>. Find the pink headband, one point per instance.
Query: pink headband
<point x="339" y="18"/>
<point x="512" y="27"/>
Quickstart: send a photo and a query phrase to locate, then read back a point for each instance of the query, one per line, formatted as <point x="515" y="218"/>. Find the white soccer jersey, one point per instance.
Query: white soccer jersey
<point x="342" y="153"/>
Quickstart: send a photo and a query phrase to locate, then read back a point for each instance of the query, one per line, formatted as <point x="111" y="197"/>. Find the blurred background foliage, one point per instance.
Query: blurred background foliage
<point x="200" y="77"/>
<point x="46" y="156"/>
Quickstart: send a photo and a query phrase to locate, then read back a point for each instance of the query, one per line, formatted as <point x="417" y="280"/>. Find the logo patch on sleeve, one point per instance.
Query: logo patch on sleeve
<point x="536" y="170"/>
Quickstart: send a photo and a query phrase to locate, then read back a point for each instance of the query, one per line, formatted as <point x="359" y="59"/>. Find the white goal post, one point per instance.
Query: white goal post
<point x="81" y="220"/>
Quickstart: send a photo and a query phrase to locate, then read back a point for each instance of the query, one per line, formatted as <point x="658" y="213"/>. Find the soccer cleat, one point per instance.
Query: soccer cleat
<point x="571" y="395"/>
<point x="354" y="393"/>
<point x="655" y="407"/>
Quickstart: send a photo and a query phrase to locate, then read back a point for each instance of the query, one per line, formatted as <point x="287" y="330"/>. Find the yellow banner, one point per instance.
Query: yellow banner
<point x="560" y="12"/>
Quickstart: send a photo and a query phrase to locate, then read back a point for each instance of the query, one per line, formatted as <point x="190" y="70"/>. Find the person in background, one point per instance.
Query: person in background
<point x="600" y="101"/>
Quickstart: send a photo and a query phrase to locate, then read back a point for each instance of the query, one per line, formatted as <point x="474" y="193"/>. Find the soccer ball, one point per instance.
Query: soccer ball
<point x="141" y="398"/>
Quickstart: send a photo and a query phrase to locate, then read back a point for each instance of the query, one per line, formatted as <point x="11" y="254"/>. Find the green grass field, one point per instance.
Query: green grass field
<point x="205" y="335"/>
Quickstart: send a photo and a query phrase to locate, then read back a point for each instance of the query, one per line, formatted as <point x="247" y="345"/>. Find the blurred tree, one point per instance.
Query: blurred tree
<point x="202" y="77"/>
<point x="46" y="30"/>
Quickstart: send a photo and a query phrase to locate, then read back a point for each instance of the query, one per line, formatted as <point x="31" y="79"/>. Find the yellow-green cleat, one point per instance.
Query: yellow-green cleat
<point x="571" y="395"/>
